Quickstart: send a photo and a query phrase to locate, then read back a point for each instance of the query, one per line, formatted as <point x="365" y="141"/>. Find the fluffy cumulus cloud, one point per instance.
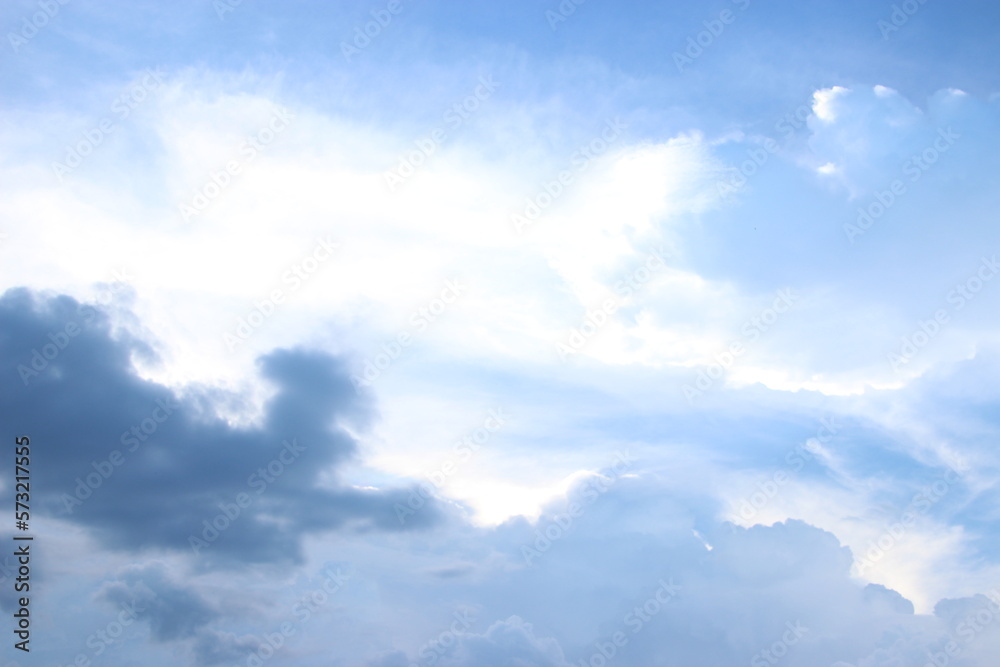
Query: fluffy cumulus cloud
<point x="588" y="589"/>
<point x="400" y="335"/>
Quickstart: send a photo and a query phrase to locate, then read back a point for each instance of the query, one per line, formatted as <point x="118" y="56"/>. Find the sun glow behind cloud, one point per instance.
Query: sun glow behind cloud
<point x="699" y="271"/>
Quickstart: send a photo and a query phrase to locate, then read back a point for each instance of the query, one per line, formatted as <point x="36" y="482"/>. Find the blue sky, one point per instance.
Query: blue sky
<point x="523" y="334"/>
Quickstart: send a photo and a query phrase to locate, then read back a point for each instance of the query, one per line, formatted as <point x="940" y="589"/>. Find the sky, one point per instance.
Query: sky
<point x="523" y="334"/>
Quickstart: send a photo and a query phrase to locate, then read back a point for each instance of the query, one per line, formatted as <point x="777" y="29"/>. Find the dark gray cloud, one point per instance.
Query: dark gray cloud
<point x="143" y="468"/>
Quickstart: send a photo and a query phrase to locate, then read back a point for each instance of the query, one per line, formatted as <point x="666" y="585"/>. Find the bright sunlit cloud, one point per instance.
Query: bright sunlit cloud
<point x="546" y="335"/>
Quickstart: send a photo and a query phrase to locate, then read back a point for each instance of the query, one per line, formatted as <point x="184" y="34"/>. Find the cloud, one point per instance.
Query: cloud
<point x="508" y="643"/>
<point x="93" y="392"/>
<point x="628" y="579"/>
<point x="212" y="647"/>
<point x="143" y="467"/>
<point x="173" y="612"/>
